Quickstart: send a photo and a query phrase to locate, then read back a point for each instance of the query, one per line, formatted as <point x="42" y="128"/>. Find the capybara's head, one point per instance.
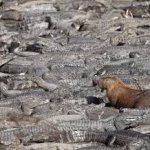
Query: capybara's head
<point x="106" y="83"/>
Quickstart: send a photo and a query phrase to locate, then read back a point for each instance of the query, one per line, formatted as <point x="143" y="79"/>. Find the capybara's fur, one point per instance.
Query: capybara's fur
<point x="122" y="95"/>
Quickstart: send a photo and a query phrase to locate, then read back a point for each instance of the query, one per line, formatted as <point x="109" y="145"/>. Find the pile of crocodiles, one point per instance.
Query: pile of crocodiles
<point x="51" y="53"/>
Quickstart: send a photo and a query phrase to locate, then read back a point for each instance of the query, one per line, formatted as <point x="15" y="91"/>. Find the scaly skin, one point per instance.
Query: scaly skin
<point x="41" y="83"/>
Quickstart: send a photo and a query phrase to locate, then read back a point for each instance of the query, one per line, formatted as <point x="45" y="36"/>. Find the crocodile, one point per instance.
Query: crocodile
<point x="67" y="146"/>
<point x="63" y="118"/>
<point x="129" y="120"/>
<point x="139" y="9"/>
<point x="135" y="81"/>
<point x="77" y="82"/>
<point x="122" y="52"/>
<point x="139" y="40"/>
<point x="122" y="137"/>
<point x="15" y="84"/>
<point x="52" y="133"/>
<point x="120" y="39"/>
<point x="6" y="110"/>
<point x="40" y="82"/>
<point x="16" y="117"/>
<point x="4" y="90"/>
<point x="32" y="131"/>
<point x="36" y="97"/>
<point x="82" y="125"/>
<point x="20" y="84"/>
<point x="132" y="66"/>
<point x="66" y="73"/>
<point x="16" y="66"/>
<point x="11" y="15"/>
<point x="6" y="59"/>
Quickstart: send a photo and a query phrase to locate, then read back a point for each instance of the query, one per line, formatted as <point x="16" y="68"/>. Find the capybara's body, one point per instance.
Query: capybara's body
<point x="143" y="101"/>
<point x="122" y="95"/>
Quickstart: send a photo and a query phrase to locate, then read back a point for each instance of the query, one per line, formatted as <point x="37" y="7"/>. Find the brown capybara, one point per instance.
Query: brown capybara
<point x="122" y="95"/>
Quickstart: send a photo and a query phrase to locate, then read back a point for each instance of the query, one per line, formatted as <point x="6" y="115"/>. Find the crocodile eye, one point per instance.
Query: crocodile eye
<point x="104" y="72"/>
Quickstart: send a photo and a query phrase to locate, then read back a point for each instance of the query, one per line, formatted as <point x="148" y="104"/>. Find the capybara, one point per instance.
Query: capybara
<point x="122" y="95"/>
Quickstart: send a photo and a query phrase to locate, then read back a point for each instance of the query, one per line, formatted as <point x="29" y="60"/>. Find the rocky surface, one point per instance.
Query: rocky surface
<point x="50" y="51"/>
